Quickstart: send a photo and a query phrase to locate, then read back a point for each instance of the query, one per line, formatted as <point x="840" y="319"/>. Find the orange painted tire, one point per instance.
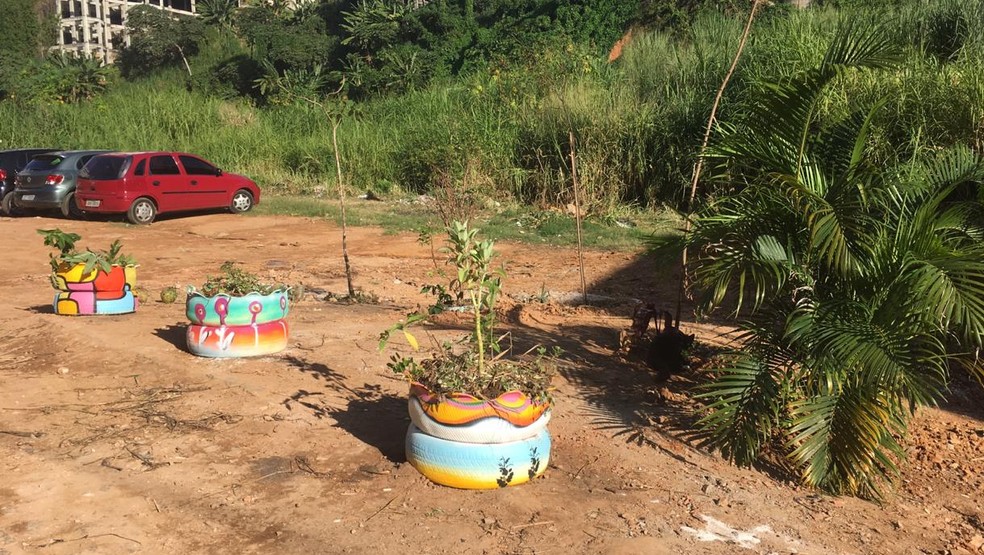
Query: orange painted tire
<point x="457" y="409"/>
<point x="491" y="429"/>
<point x="237" y="341"/>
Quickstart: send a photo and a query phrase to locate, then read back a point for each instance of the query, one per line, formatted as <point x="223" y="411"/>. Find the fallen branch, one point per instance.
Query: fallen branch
<point x="32" y="435"/>
<point x="381" y="509"/>
<point x="54" y="541"/>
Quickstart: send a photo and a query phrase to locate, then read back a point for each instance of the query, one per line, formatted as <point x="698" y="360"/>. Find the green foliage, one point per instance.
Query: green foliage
<point x="217" y="12"/>
<point x="22" y="35"/>
<point x="456" y="107"/>
<point x="235" y="281"/>
<point x="284" y="43"/>
<point x="157" y="40"/>
<point x="69" y="256"/>
<point x="62" y="78"/>
<point x="853" y="276"/>
<point x="475" y="365"/>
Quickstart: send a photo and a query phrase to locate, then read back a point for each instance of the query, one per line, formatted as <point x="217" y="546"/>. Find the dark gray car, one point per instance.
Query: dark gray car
<point x="11" y="162"/>
<point x="48" y="181"/>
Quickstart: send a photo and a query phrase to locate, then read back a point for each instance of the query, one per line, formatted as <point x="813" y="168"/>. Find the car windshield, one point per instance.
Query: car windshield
<point x="44" y="162"/>
<point x="105" y="167"/>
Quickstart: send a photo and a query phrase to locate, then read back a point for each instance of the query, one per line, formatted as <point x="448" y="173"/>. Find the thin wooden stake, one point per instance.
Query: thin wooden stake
<point x="341" y="198"/>
<point x="577" y="219"/>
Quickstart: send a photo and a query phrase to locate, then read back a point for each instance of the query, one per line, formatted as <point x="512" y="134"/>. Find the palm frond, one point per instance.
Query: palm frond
<point x="843" y="438"/>
<point x="745" y="407"/>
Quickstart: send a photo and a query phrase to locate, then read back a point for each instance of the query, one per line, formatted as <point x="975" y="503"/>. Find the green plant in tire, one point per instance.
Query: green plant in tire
<point x="476" y="364"/>
<point x="64" y="243"/>
<point x="236" y="281"/>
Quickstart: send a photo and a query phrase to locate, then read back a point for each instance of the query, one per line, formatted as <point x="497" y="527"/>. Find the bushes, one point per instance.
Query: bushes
<point x="464" y="99"/>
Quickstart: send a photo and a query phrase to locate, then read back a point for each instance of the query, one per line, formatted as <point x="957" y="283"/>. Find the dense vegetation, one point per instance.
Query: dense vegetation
<point x="487" y="96"/>
<point x="843" y="191"/>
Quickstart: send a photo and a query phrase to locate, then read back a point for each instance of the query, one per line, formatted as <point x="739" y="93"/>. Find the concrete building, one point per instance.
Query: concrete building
<point x="95" y="27"/>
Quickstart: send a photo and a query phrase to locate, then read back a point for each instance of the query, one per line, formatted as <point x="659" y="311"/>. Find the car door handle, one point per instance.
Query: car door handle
<point x="155" y="182"/>
<point x="193" y="182"/>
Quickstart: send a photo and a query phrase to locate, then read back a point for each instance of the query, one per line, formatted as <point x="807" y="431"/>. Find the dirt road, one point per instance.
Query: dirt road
<point x="114" y="439"/>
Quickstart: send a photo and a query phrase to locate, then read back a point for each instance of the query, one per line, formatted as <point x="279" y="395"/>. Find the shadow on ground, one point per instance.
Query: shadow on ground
<point x="373" y="416"/>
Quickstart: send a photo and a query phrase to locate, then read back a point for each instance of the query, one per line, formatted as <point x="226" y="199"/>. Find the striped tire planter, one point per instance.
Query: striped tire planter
<point x="478" y="465"/>
<point x="489" y="429"/>
<point x="94" y="292"/>
<point x="237" y="341"/>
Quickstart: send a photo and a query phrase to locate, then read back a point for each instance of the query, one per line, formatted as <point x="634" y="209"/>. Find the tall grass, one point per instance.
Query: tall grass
<point x="503" y="131"/>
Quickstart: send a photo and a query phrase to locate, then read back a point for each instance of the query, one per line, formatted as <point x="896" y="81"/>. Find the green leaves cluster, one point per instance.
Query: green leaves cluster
<point x="236" y="281"/>
<point x="68" y="255"/>
<point x="861" y="283"/>
<point x="158" y="39"/>
<point x="477" y="364"/>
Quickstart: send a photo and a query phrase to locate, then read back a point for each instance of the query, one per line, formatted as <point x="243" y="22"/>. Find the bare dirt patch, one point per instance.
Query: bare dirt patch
<point x="114" y="439"/>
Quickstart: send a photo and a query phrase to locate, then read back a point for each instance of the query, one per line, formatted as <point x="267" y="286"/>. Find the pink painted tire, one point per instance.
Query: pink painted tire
<point x="237" y="341"/>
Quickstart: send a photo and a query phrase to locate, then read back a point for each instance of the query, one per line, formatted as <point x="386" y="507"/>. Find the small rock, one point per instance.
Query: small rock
<point x="63" y="370"/>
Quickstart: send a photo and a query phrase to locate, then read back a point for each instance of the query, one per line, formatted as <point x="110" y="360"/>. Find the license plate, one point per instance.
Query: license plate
<point x="92" y="204"/>
<point x="27" y="197"/>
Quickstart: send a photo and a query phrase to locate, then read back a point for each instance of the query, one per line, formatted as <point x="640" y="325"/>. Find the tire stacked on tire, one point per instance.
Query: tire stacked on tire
<point x="462" y="441"/>
<point x="224" y="326"/>
<point x="96" y="291"/>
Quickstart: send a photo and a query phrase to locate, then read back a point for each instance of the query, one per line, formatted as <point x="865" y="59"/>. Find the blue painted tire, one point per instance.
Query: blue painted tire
<point x="478" y="465"/>
<point x="243" y="310"/>
<point x="486" y="430"/>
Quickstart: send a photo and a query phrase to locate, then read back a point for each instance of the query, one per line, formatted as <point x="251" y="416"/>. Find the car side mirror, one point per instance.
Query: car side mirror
<point x="218" y="172"/>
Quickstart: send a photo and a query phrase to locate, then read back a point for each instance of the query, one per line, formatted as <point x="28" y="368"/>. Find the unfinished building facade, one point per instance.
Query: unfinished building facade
<point x="94" y="28"/>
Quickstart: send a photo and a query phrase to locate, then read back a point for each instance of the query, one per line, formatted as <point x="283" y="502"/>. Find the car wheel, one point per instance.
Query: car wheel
<point x="70" y="208"/>
<point x="142" y="211"/>
<point x="242" y="201"/>
<point x="8" y="206"/>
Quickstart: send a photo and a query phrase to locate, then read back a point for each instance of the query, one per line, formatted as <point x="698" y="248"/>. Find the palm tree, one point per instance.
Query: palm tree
<point x="860" y="284"/>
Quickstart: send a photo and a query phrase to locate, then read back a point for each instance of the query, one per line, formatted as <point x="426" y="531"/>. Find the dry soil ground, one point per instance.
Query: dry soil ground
<point x="114" y="439"/>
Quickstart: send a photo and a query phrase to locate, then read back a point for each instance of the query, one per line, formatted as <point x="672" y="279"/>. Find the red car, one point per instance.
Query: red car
<point x="145" y="184"/>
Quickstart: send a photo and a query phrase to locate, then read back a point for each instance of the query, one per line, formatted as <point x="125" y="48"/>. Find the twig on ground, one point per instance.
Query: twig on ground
<point x="305" y="466"/>
<point x="147" y="461"/>
<point x="54" y="541"/>
<point x="32" y="435"/>
<point x="541" y="523"/>
<point x="381" y="509"/>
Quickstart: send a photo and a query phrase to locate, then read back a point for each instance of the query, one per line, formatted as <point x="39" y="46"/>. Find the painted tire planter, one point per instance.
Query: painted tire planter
<point x="489" y="429"/>
<point x="456" y="409"/>
<point x="95" y="292"/>
<point x="462" y="441"/>
<point x="478" y="465"/>
<point x="237" y="341"/>
<point x="227" y="310"/>
<point x="225" y="326"/>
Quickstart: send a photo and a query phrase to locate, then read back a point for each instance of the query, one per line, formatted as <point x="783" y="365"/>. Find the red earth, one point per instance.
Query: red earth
<point x="114" y="439"/>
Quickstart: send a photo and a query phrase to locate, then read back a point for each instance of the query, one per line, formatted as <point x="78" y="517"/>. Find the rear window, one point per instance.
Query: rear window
<point x="105" y="167"/>
<point x="43" y="162"/>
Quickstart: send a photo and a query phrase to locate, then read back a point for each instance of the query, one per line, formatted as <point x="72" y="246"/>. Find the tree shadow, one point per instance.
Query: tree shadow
<point x="175" y="334"/>
<point x="963" y="395"/>
<point x="373" y="416"/>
